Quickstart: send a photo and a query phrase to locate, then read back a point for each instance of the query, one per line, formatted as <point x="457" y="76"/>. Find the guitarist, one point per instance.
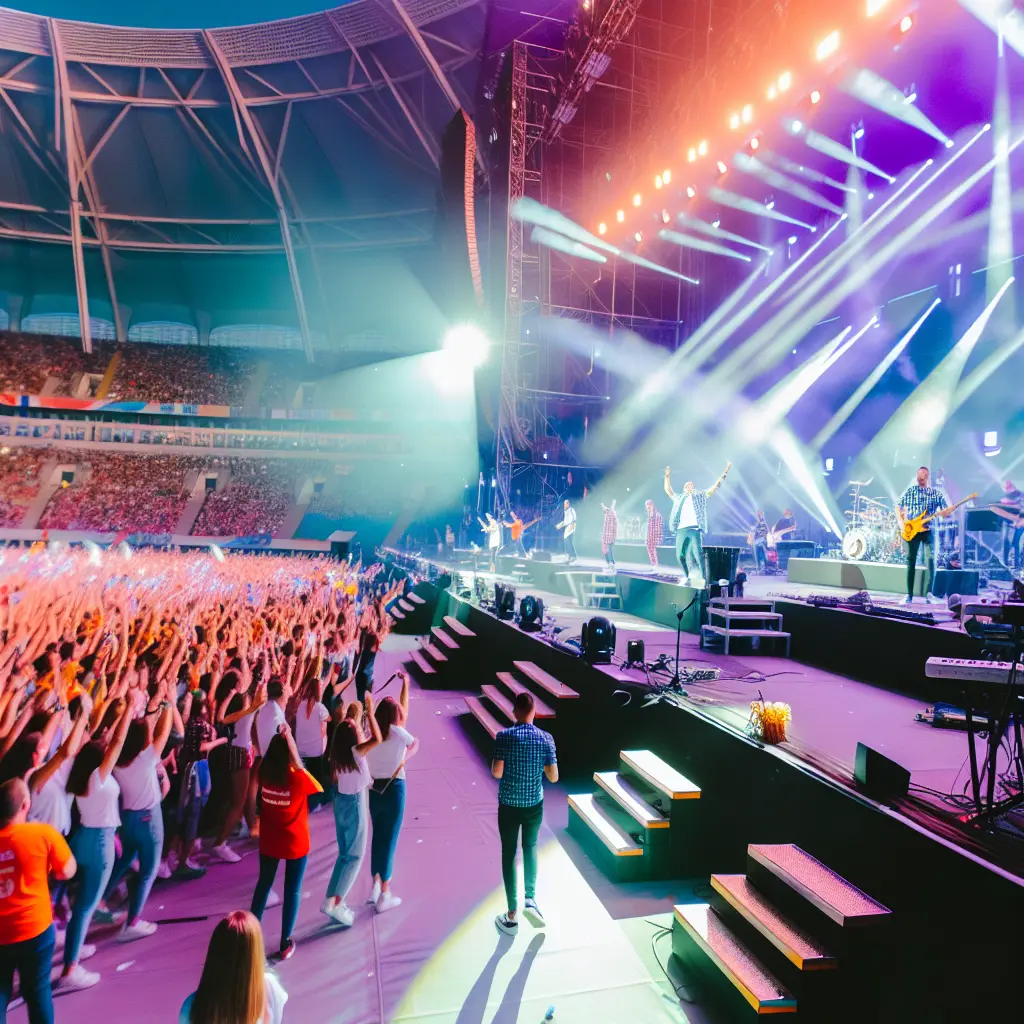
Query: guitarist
<point x="920" y="499"/>
<point x="516" y="529"/>
<point x="786" y="524"/>
<point x="1012" y="502"/>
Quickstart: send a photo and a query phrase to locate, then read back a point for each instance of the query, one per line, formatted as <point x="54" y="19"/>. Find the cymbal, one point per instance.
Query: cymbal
<point x="874" y="501"/>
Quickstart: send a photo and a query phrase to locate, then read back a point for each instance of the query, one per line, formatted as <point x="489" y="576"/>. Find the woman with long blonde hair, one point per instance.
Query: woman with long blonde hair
<point x="235" y="987"/>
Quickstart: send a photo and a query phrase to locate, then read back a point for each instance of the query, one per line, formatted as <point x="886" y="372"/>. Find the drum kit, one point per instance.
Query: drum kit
<point x="633" y="529"/>
<point x="872" y="529"/>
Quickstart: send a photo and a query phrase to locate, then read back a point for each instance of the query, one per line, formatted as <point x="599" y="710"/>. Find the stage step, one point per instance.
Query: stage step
<point x="727" y="633"/>
<point x="422" y="664"/>
<point x="601" y="822"/>
<point x="743" y="602"/>
<point x="484" y="717"/>
<point x="729" y="615"/>
<point x="415" y="598"/>
<point x="835" y="897"/>
<point x="434" y="653"/>
<point x="758" y="986"/>
<point x="509" y="681"/>
<point x="659" y="775"/>
<point x="544" y="680"/>
<point x="450" y="642"/>
<point x="458" y="627"/>
<point x="622" y="790"/>
<point x="500" y="701"/>
<point x="790" y="939"/>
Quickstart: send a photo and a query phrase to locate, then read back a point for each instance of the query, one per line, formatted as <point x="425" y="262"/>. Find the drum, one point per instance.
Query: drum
<point x="855" y="545"/>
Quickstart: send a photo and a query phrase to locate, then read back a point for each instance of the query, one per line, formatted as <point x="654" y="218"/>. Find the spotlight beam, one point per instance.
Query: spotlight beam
<point x="795" y="169"/>
<point x="865" y="387"/>
<point x="980" y="374"/>
<point x="837" y="151"/>
<point x="781" y="182"/>
<point x="553" y="240"/>
<point x="693" y="224"/>
<point x="731" y="199"/>
<point x="689" y="242"/>
<point x="876" y="92"/>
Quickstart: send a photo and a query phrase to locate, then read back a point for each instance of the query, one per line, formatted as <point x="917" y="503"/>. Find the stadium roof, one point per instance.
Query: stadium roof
<point x="298" y="143"/>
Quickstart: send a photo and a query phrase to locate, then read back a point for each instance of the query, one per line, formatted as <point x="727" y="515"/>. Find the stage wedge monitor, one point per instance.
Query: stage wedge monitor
<point x="878" y="777"/>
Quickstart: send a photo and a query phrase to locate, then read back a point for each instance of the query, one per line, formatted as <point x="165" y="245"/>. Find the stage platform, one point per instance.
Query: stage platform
<point x="943" y="878"/>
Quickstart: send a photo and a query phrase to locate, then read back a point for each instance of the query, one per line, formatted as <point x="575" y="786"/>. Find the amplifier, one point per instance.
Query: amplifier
<point x="955" y="581"/>
<point x="983" y="520"/>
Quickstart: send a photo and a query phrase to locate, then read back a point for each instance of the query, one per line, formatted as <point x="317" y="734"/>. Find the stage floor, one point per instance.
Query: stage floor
<point x="436" y="959"/>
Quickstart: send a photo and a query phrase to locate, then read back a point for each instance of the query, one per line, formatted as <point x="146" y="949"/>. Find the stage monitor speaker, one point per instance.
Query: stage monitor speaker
<point x="955" y="581"/>
<point x="341" y="543"/>
<point x="878" y="777"/>
<point x="504" y="601"/>
<point x="531" y="614"/>
<point x="598" y="641"/>
<point x="635" y="654"/>
<point x="794" y="549"/>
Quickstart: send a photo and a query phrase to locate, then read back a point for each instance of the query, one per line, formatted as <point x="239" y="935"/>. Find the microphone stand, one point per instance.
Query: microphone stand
<point x="676" y="682"/>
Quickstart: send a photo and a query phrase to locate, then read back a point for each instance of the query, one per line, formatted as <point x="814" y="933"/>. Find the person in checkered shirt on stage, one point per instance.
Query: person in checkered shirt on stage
<point x="523" y="757"/>
<point x="609" y="532"/>
<point x="918" y="498"/>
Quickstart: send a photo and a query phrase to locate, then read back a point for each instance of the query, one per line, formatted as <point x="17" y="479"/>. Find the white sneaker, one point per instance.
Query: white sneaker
<point x="77" y="978"/>
<point x="273" y="899"/>
<point x="375" y="891"/>
<point x="165" y="870"/>
<point x="140" y="930"/>
<point x="193" y="865"/>
<point x="226" y="854"/>
<point x="388" y="901"/>
<point x="932" y="599"/>
<point x="87" y="950"/>
<point x="339" y="912"/>
<point x="907" y="600"/>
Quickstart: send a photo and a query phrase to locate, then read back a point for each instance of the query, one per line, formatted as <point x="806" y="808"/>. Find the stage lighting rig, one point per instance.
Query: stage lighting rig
<point x="531" y="614"/>
<point x="597" y="641"/>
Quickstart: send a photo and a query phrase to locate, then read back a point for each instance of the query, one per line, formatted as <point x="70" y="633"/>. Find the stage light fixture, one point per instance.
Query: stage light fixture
<point x="815" y="96"/>
<point x="690" y="191"/>
<point x="911" y="97"/>
<point x="734" y="121"/>
<point x="620" y="216"/>
<point x="716" y="223"/>
<point x="785" y="80"/>
<point x="830" y="464"/>
<point x="602" y="228"/>
<point x="772" y="92"/>
<point x="747" y="114"/>
<point x="754" y="144"/>
<point x="796" y="127"/>
<point x="531" y="614"/>
<point x="828" y="46"/>
<point x="657" y="181"/>
<point x="639" y="237"/>
<point x="859" y="133"/>
<point x="722" y="167"/>
<point x="692" y="154"/>
<point x="666" y="176"/>
<point x="637" y="199"/>
<point x="598" y="641"/>
<point x="991" y="438"/>
<point x="906" y="24"/>
<point x="874" y="6"/>
<point x="793" y="241"/>
<point x="467" y="344"/>
<point x="702" y="149"/>
<point x="770" y="205"/>
<point x="665" y="217"/>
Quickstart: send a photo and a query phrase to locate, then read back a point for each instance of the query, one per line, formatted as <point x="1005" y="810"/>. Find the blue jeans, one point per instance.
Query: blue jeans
<point x="142" y="836"/>
<point x="293" y="872"/>
<point x="31" y="959"/>
<point x="351" y="823"/>
<point x="94" y="850"/>
<point x="386" y="812"/>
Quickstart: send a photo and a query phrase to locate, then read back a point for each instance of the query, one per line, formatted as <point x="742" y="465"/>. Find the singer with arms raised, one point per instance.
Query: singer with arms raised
<point x="689" y="519"/>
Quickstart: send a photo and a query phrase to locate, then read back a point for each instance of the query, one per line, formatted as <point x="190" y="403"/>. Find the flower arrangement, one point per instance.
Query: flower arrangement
<point x="768" y="720"/>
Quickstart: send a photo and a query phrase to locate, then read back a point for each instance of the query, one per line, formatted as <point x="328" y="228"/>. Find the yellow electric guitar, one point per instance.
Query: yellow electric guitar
<point x="910" y="528"/>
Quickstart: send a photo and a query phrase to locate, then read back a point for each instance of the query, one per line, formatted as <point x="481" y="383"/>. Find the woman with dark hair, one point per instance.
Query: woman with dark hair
<point x="387" y="792"/>
<point x="351" y="778"/>
<point x="235" y="987"/>
<point x="92" y="783"/>
<point x="311" y="720"/>
<point x="284" y="830"/>
<point x="142" y="824"/>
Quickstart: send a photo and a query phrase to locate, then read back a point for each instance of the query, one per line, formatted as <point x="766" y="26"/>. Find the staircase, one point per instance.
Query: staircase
<point x="751" y="619"/>
<point x="598" y="590"/>
<point x="790" y="934"/>
<point x="626" y="823"/>
<point x="493" y="708"/>
<point x="442" y="651"/>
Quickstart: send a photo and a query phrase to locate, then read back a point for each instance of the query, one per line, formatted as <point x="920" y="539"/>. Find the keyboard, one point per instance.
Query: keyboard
<point x="969" y="668"/>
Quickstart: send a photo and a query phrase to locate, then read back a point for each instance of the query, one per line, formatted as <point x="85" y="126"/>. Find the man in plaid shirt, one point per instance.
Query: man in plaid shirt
<point x="655" y="531"/>
<point x="609" y="531"/>
<point x="917" y="499"/>
<point x="523" y="757"/>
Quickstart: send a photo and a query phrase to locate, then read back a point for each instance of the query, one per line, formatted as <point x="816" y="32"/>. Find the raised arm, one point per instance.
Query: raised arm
<point x="403" y="697"/>
<point x="721" y="480"/>
<point x="375" y="737"/>
<point x="668" y="483"/>
<point x="113" y="751"/>
<point x="69" y="748"/>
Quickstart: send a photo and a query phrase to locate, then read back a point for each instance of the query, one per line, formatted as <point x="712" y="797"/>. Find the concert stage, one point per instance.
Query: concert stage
<point x="849" y="680"/>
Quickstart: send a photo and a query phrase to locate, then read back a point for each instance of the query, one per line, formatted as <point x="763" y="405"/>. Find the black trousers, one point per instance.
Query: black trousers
<point x="1011" y="542"/>
<point x="921" y="540"/>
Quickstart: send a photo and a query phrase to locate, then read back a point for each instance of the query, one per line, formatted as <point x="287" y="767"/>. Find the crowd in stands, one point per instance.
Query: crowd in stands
<point x="117" y="491"/>
<point x="19" y="482"/>
<point x="27" y="361"/>
<point x="176" y="373"/>
<point x="142" y="712"/>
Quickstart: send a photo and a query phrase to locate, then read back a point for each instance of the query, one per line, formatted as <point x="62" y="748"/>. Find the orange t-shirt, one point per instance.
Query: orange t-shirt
<point x="284" y="816"/>
<point x="28" y="854"/>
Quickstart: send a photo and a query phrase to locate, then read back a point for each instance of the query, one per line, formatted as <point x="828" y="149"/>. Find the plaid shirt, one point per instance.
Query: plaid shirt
<point x="916" y="500"/>
<point x="526" y="751"/>
<point x="700" y="510"/>
<point x="610" y="529"/>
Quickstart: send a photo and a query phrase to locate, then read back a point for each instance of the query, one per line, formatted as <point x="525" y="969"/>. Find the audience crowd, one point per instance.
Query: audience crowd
<point x="188" y="700"/>
<point x="178" y="373"/>
<point x="19" y="482"/>
<point x="27" y="361"/>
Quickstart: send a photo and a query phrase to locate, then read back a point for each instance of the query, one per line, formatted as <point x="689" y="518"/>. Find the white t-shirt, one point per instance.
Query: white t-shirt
<point x="494" y="536"/>
<point x="570" y="521"/>
<point x="688" y="515"/>
<point x="308" y="731"/>
<point x="351" y="783"/>
<point x="52" y="804"/>
<point x="387" y="756"/>
<point x="139" y="782"/>
<point x="276" y="998"/>
<point x="243" y="732"/>
<point x="98" y="807"/>
<point x="268" y="718"/>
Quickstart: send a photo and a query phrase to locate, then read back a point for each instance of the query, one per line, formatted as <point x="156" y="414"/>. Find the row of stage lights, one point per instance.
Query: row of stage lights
<point x="828" y="47"/>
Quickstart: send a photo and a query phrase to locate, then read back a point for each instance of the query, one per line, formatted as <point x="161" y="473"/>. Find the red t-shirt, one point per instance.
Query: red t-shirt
<point x="28" y="854"/>
<point x="284" y="816"/>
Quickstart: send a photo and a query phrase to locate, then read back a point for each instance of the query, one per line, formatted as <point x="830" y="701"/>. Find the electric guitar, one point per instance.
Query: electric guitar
<point x="772" y="537"/>
<point x="1015" y="519"/>
<point x="910" y="528"/>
